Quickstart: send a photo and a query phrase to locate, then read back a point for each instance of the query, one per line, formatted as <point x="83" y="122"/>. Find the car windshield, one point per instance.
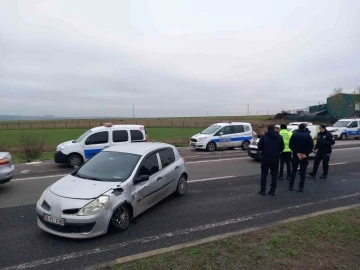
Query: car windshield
<point x="109" y="167"/>
<point x="210" y="130"/>
<point x="83" y="136"/>
<point x="341" y="124"/>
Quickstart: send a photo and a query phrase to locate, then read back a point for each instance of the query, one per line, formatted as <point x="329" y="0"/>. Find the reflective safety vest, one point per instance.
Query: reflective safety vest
<point x="286" y="135"/>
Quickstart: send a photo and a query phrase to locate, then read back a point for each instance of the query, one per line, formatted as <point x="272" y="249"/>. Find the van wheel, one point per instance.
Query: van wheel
<point x="245" y="145"/>
<point x="75" y="160"/>
<point x="120" y="219"/>
<point x="356" y="138"/>
<point x="211" y="147"/>
<point x="181" y="187"/>
<point x="343" y="136"/>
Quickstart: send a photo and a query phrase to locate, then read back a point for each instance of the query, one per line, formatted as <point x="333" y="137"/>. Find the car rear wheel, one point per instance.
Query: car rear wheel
<point x="343" y="136"/>
<point x="75" y="160"/>
<point x="245" y="145"/>
<point x="181" y="187"/>
<point x="120" y="219"/>
<point x="211" y="146"/>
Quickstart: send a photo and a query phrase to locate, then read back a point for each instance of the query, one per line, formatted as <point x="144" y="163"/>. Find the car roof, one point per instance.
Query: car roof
<point x="231" y="123"/>
<point x="116" y="127"/>
<point x="138" y="148"/>
<point x="350" y="119"/>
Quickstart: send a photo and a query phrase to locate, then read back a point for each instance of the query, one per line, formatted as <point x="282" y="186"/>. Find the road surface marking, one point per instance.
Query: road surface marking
<point x="215" y="160"/>
<point x="345" y="149"/>
<point x="210" y="179"/>
<point x="148" y="239"/>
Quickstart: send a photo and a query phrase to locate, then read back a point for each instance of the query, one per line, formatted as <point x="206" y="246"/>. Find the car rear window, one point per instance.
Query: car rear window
<point x="136" y="135"/>
<point x="167" y="157"/>
<point x="120" y="136"/>
<point x="239" y="129"/>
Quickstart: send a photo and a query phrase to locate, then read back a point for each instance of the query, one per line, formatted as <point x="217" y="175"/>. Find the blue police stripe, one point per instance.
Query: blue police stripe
<point x="236" y="139"/>
<point x="352" y="132"/>
<point x="89" y="153"/>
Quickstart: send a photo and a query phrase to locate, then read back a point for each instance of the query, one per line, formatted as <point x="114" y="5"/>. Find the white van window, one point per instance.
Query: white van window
<point x="83" y="136"/>
<point x="239" y="129"/>
<point x="136" y="135"/>
<point x="210" y="130"/>
<point x="247" y="128"/>
<point x="98" y="138"/>
<point x="341" y="124"/>
<point x="226" y="130"/>
<point x="354" y="124"/>
<point x="120" y="136"/>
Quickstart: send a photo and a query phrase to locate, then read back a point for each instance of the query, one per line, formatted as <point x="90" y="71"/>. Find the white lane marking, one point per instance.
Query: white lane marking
<point x="39" y="177"/>
<point x="215" y="160"/>
<point x="339" y="163"/>
<point x="210" y="179"/>
<point x="346" y="149"/>
<point x="25" y="171"/>
<point x="34" y="163"/>
<point x="101" y="249"/>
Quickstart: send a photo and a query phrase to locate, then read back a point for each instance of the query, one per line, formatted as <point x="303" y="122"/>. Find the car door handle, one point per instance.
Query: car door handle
<point x="159" y="178"/>
<point x="177" y="167"/>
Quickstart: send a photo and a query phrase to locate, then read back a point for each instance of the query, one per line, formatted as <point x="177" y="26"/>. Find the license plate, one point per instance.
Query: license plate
<point x="253" y="152"/>
<point x="58" y="221"/>
<point x="193" y="144"/>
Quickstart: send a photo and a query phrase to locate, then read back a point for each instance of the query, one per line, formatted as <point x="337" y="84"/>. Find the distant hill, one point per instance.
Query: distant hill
<point x="45" y="117"/>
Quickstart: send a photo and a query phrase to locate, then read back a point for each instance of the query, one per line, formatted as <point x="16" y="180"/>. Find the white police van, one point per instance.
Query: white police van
<point x="346" y="129"/>
<point x="75" y="153"/>
<point x="223" y="135"/>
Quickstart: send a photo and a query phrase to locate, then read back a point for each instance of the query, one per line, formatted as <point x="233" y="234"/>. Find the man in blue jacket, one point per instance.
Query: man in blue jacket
<point x="271" y="145"/>
<point x="301" y="144"/>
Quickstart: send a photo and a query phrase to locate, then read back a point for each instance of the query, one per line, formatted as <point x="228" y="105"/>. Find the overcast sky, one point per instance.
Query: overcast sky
<point x="174" y="57"/>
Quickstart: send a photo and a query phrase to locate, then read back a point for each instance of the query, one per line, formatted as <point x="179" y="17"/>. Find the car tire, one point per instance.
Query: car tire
<point x="181" y="186"/>
<point x="356" y="138"/>
<point x="245" y="145"/>
<point x="211" y="147"/>
<point x="75" y="160"/>
<point x="120" y="220"/>
<point x="343" y="136"/>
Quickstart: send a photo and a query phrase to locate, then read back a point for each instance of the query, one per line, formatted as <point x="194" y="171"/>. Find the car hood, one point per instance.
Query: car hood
<point x="78" y="188"/>
<point x="199" y="136"/>
<point x="5" y="154"/>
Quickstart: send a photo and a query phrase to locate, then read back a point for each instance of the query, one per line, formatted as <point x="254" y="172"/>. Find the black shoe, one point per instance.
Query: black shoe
<point x="290" y="189"/>
<point x="271" y="193"/>
<point x="301" y="190"/>
<point x="263" y="193"/>
<point x="311" y="175"/>
<point x="323" y="176"/>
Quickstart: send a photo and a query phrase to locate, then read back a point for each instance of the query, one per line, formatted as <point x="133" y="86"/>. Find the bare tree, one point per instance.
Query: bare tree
<point x="30" y="146"/>
<point x="336" y="91"/>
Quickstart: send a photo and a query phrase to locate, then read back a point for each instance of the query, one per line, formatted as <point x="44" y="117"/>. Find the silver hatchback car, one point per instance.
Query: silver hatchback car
<point x="6" y="167"/>
<point x="110" y="189"/>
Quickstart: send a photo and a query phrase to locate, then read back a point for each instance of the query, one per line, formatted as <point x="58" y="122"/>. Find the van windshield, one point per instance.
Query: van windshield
<point x="341" y="124"/>
<point x="212" y="129"/>
<point x="82" y="136"/>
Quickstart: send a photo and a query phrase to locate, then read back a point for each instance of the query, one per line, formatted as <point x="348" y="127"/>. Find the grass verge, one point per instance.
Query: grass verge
<point x="324" y="242"/>
<point x="53" y="137"/>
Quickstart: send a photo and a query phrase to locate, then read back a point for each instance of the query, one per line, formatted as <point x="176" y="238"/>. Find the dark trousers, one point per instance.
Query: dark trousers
<point x="265" y="167"/>
<point x="303" y="166"/>
<point x="285" y="158"/>
<point x="325" y="158"/>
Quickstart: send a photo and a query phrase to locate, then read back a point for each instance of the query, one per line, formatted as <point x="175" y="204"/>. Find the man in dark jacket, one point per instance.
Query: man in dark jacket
<point x="323" y="150"/>
<point x="301" y="144"/>
<point x="271" y="145"/>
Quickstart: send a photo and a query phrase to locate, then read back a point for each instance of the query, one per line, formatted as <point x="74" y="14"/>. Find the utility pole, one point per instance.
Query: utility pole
<point x="248" y="110"/>
<point x="133" y="111"/>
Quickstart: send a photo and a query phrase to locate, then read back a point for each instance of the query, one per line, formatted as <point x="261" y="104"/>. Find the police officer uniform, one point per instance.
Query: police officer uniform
<point x="285" y="157"/>
<point x="323" y="148"/>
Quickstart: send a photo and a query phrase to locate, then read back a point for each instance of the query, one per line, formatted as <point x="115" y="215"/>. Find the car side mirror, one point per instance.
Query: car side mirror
<point x="142" y="178"/>
<point x="87" y="141"/>
<point x="221" y="133"/>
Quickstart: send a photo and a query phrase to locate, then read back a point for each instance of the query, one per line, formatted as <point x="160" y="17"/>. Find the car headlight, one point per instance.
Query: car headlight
<point x="334" y="130"/>
<point x="42" y="197"/>
<point x="94" y="207"/>
<point x="201" y="139"/>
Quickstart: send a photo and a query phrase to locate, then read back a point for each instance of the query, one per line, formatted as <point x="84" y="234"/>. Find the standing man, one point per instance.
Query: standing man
<point x="277" y="128"/>
<point x="323" y="150"/>
<point x="285" y="157"/>
<point x="271" y="145"/>
<point x="301" y="145"/>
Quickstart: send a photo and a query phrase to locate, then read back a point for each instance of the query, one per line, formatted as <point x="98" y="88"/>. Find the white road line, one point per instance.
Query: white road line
<point x="215" y="160"/>
<point x="339" y="163"/>
<point x="210" y="179"/>
<point x="346" y="149"/>
<point x="148" y="239"/>
<point x="39" y="177"/>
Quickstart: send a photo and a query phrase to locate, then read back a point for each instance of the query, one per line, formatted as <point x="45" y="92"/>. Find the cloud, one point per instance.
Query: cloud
<point x="174" y="58"/>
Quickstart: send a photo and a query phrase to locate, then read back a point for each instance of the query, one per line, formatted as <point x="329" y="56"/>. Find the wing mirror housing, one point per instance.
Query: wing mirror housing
<point x="142" y="178"/>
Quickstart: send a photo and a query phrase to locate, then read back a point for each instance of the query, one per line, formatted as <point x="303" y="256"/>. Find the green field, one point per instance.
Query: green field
<point x="53" y="137"/>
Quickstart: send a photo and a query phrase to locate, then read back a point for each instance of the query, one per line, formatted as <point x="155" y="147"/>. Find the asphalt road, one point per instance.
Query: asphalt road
<point x="222" y="197"/>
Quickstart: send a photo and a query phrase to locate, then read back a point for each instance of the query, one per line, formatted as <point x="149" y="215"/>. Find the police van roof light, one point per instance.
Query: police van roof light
<point x="108" y="124"/>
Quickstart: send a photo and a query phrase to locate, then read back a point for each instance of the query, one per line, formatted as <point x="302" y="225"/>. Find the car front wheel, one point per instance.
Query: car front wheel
<point x="75" y="160"/>
<point x="120" y="219"/>
<point x="181" y="187"/>
<point x="211" y="147"/>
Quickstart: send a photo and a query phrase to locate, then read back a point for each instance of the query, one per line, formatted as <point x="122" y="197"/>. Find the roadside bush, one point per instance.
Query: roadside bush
<point x="30" y="146"/>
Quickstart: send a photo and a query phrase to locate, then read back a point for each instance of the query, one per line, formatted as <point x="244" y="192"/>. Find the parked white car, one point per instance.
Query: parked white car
<point x="6" y="167"/>
<point x="223" y="135"/>
<point x="346" y="129"/>
<point x="75" y="153"/>
<point x="110" y="189"/>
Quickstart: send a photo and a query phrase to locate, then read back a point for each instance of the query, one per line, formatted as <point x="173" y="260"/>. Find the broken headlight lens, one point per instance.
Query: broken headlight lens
<point x="94" y="207"/>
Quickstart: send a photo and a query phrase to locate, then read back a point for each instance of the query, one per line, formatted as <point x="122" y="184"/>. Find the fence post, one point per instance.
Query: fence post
<point x="89" y="124"/>
<point x="19" y="125"/>
<point x="54" y="124"/>
<point x="43" y="124"/>
<point x="183" y="124"/>
<point x="30" y="126"/>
